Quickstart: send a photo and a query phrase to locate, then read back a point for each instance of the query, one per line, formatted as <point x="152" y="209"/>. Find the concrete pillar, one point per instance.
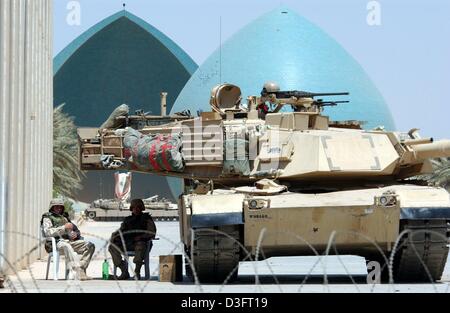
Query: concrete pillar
<point x="20" y="222"/>
<point x="50" y="96"/>
<point x="26" y="122"/>
<point x="28" y="205"/>
<point x="4" y="121"/>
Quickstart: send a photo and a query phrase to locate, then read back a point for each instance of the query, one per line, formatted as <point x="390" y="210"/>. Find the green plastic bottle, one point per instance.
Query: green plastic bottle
<point x="105" y="270"/>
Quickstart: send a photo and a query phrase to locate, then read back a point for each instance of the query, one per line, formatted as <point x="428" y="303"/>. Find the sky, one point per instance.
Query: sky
<point x="407" y="55"/>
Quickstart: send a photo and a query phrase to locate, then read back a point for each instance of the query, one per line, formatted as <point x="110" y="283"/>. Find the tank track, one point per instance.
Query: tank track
<point x="214" y="255"/>
<point x="420" y="249"/>
<point x="424" y="246"/>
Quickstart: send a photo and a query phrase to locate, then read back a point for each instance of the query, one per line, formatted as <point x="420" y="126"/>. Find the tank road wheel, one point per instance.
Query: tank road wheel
<point x="215" y="256"/>
<point x="423" y="248"/>
<point x="421" y="255"/>
<point x="91" y="215"/>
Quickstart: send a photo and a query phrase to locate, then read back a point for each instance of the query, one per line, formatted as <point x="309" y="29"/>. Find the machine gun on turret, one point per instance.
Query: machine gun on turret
<point x="322" y="103"/>
<point x="301" y="101"/>
<point x="300" y="94"/>
<point x="318" y="105"/>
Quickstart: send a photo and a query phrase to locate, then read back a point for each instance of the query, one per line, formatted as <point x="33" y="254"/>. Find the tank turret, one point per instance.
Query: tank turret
<point x="231" y="145"/>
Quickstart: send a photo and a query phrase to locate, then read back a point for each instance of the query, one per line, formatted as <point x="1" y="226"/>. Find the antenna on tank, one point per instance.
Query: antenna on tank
<point x="220" y="50"/>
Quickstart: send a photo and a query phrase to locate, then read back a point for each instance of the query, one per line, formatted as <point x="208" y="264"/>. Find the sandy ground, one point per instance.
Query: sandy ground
<point x="287" y="274"/>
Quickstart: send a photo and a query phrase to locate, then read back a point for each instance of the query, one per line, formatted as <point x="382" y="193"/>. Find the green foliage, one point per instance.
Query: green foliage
<point x="67" y="176"/>
<point x="68" y="205"/>
<point x="441" y="173"/>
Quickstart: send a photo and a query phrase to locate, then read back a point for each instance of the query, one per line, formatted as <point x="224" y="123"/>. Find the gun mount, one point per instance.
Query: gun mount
<point x="300" y="100"/>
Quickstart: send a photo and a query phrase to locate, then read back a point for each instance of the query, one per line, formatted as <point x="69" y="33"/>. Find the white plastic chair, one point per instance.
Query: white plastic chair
<point x="55" y="256"/>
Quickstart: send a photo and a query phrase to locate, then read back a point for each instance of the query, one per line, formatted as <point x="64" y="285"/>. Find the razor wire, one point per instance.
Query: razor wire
<point x="10" y="282"/>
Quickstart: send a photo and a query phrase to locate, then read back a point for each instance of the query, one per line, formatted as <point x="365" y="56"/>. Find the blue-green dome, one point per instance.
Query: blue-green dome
<point x="122" y="59"/>
<point x="284" y="47"/>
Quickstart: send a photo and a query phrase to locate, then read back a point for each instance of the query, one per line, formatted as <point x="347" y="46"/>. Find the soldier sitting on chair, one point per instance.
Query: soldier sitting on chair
<point x="56" y="223"/>
<point x="136" y="232"/>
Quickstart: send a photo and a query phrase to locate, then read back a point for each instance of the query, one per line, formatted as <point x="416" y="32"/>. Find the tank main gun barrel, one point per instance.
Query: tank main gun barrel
<point x="438" y="149"/>
<point x="412" y="142"/>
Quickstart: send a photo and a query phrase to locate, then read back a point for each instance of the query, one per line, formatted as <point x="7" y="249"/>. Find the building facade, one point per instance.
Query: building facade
<point x="26" y="133"/>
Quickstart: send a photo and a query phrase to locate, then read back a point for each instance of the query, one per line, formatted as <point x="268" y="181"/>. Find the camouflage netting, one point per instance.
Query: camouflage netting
<point x="154" y="152"/>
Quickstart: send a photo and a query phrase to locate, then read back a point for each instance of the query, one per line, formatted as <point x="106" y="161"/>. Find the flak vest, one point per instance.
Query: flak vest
<point x="57" y="221"/>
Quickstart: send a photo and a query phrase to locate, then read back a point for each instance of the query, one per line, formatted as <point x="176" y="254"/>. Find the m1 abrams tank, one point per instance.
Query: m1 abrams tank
<point x="115" y="210"/>
<point x="276" y="177"/>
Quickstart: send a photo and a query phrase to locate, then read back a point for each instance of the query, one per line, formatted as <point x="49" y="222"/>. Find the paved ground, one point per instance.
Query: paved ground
<point x="273" y="275"/>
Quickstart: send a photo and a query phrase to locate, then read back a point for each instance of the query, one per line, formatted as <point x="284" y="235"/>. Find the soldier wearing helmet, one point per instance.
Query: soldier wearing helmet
<point x="264" y="107"/>
<point x="136" y="233"/>
<point x="56" y="223"/>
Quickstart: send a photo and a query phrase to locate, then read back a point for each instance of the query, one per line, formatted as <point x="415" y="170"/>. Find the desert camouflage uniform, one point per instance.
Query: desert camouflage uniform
<point x="53" y="226"/>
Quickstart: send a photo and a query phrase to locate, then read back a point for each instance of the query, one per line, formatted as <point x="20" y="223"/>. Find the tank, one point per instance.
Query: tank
<point x="116" y="210"/>
<point x="274" y="176"/>
<point x="161" y="209"/>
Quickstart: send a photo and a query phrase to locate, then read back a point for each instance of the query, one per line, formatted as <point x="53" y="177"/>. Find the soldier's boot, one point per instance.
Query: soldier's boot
<point x="124" y="269"/>
<point x="137" y="271"/>
<point x="81" y="274"/>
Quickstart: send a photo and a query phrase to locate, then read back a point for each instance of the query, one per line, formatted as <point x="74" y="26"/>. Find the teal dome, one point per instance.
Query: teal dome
<point x="122" y="59"/>
<point x="283" y="47"/>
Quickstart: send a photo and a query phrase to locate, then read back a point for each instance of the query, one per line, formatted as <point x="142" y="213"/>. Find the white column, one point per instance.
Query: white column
<point x="4" y="120"/>
<point x="26" y="121"/>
